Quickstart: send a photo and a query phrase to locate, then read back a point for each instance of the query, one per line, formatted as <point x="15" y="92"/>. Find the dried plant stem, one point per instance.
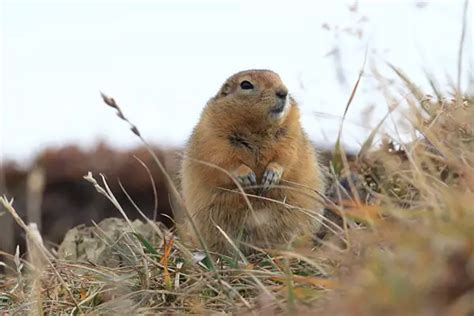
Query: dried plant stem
<point x="35" y="184"/>
<point x="40" y="248"/>
<point x="111" y="102"/>
<point x="461" y="49"/>
<point x="153" y="184"/>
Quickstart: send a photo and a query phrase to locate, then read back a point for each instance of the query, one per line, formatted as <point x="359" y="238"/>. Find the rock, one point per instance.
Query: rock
<point x="106" y="244"/>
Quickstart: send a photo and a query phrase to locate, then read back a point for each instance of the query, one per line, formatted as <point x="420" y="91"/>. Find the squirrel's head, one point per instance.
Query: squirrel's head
<point x="260" y="93"/>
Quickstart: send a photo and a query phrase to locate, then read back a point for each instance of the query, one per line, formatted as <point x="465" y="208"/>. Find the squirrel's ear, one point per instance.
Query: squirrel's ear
<point x="225" y="90"/>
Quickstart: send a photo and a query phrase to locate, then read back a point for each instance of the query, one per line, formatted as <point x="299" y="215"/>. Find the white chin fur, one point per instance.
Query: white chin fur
<point x="283" y="113"/>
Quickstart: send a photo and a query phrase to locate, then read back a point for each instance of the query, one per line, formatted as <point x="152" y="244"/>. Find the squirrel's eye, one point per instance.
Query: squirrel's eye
<point x="246" y="85"/>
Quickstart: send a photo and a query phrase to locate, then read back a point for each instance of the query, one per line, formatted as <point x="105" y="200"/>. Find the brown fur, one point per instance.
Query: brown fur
<point x="238" y="132"/>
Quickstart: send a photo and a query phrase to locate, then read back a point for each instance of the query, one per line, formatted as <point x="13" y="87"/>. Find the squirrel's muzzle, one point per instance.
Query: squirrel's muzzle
<point x="279" y="107"/>
<point x="281" y="93"/>
<point x="281" y="101"/>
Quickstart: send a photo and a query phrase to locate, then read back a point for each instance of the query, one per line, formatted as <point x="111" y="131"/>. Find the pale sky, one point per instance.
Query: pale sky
<point x="162" y="60"/>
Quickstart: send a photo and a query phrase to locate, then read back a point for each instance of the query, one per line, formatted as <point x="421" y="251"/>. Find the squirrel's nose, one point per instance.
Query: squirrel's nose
<point x="281" y="93"/>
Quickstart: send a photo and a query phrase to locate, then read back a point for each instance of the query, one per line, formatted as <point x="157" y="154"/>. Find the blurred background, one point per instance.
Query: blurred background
<point x="162" y="60"/>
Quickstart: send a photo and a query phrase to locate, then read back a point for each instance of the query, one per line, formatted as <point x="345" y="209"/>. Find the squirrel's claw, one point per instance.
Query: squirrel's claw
<point x="248" y="179"/>
<point x="245" y="176"/>
<point x="271" y="177"/>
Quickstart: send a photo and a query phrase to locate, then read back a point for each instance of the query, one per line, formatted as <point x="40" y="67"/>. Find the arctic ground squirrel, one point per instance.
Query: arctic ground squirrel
<point x="249" y="139"/>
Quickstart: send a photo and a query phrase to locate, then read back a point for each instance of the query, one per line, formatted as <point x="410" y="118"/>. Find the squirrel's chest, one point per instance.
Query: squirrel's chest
<point x="256" y="150"/>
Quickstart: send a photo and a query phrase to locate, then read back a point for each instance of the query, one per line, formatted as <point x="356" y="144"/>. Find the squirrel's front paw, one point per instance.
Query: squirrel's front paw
<point x="245" y="176"/>
<point x="272" y="176"/>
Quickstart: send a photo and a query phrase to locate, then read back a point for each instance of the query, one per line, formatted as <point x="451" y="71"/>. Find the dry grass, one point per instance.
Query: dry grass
<point x="405" y="244"/>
